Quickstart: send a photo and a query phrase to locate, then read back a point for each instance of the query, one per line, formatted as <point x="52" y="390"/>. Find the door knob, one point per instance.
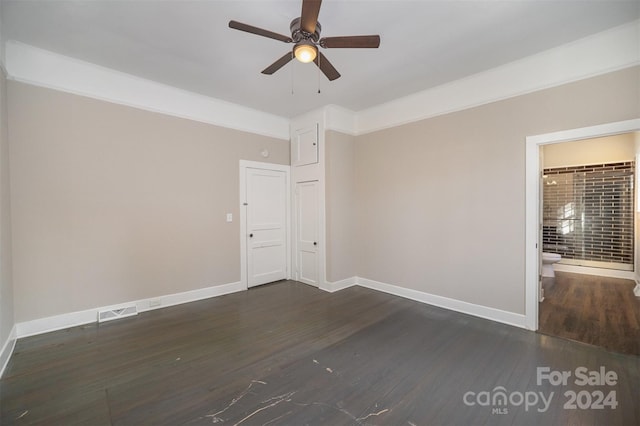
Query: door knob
<point x="250" y="235"/>
<point x="315" y="243"/>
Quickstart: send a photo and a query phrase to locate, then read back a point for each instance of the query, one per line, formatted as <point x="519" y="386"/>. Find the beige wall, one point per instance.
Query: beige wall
<point x="611" y="149"/>
<point x="113" y="204"/>
<point x="441" y="202"/>
<point x="340" y="206"/>
<point x="6" y="283"/>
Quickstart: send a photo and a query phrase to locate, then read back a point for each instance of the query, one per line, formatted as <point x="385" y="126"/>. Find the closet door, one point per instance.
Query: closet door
<point x="307" y="217"/>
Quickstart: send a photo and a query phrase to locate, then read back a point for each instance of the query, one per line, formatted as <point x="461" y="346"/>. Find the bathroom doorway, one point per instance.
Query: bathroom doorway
<point x="585" y="315"/>
<point x="587" y="196"/>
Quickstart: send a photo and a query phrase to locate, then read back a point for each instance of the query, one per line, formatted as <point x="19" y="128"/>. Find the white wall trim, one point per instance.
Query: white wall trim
<point x="333" y="286"/>
<point x="39" y="67"/>
<point x="72" y="319"/>
<point x="601" y="53"/>
<point x="485" y="312"/>
<point x="7" y="350"/>
<point x="601" y="272"/>
<point x="605" y="52"/>
<point x="532" y="199"/>
<point x="340" y="119"/>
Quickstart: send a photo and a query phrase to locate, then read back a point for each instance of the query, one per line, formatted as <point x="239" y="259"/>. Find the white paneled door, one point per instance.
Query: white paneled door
<point x="307" y="232"/>
<point x="266" y="226"/>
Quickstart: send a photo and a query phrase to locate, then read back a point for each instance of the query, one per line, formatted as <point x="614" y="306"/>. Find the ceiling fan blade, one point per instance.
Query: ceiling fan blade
<point x="309" y="15"/>
<point x="325" y="66"/>
<point x="258" y="31"/>
<point x="361" y="41"/>
<point x="284" y="60"/>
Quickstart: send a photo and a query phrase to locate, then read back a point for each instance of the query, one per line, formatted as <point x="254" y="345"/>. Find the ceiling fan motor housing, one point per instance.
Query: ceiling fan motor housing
<point x="298" y="34"/>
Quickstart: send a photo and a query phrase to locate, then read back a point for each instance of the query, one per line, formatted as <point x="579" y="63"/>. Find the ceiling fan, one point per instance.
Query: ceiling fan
<point x="305" y="34"/>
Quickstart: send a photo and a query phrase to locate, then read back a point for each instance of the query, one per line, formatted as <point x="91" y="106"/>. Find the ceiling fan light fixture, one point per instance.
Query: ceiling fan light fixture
<point x="305" y="36"/>
<point x="305" y="52"/>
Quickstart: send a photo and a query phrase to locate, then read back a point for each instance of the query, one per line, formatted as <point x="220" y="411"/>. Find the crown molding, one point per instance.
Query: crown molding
<point x="39" y="67"/>
<point x="340" y="119"/>
<point x="601" y="53"/>
<point x="598" y="54"/>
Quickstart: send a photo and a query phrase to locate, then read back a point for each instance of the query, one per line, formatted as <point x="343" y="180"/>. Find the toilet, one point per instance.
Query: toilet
<point x="548" y="259"/>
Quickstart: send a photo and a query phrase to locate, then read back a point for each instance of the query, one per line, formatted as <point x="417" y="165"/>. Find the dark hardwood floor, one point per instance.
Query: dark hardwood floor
<point x="289" y="354"/>
<point x="596" y="310"/>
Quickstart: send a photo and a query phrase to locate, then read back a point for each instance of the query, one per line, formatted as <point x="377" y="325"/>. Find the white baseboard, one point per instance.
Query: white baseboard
<point x="601" y="272"/>
<point x="339" y="285"/>
<point x="59" y="322"/>
<point x="190" y="296"/>
<point x="7" y="350"/>
<point x="485" y="312"/>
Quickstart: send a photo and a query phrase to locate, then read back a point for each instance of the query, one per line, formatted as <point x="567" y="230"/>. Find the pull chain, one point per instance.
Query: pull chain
<point x="318" y="72"/>
<point x="293" y="65"/>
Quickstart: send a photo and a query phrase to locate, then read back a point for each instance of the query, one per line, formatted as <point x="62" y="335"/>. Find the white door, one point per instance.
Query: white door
<point x="266" y="226"/>
<point x="307" y="232"/>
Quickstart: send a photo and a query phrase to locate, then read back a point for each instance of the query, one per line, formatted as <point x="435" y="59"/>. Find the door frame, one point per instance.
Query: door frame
<point x="244" y="165"/>
<point x="532" y="200"/>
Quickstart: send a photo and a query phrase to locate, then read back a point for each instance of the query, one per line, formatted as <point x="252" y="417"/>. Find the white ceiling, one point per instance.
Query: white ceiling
<point x="187" y="44"/>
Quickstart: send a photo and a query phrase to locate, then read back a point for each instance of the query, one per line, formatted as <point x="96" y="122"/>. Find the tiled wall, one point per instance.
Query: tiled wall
<point x="588" y="212"/>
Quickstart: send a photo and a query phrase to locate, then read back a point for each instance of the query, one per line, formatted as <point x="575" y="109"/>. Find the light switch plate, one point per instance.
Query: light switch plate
<point x="229" y="217"/>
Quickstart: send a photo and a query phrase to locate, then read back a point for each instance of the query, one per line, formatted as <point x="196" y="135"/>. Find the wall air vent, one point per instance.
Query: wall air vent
<point x="116" y="313"/>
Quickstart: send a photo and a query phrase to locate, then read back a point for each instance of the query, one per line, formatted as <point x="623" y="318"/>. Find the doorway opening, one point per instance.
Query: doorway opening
<point x="588" y="205"/>
<point x="534" y="228"/>
<point x="588" y="217"/>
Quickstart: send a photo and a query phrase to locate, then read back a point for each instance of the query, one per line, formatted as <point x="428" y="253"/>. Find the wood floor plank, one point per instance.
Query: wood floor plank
<point x="591" y="309"/>
<point x="289" y="354"/>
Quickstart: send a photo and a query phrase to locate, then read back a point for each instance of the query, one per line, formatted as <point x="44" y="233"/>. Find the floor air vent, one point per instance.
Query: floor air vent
<point x="112" y="314"/>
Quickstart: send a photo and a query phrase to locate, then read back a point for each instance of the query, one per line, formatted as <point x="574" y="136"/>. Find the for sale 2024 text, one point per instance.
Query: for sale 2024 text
<point x="593" y="398"/>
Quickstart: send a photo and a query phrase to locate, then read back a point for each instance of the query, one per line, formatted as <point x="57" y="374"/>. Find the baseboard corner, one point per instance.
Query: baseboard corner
<point x="7" y="349"/>
<point x="334" y="286"/>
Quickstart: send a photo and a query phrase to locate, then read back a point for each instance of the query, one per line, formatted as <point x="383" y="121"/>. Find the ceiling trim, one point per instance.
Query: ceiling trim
<point x="340" y="119"/>
<point x="601" y="53"/>
<point x="40" y="67"/>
